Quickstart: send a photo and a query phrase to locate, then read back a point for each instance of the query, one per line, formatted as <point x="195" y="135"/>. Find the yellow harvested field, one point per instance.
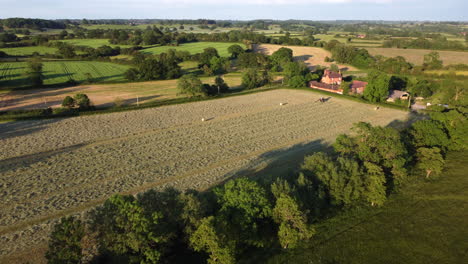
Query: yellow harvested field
<point x="56" y="167"/>
<point x="416" y="56"/>
<point x="311" y="56"/>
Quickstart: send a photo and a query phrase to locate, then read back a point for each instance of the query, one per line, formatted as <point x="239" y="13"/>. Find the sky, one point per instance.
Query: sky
<point x="438" y="10"/>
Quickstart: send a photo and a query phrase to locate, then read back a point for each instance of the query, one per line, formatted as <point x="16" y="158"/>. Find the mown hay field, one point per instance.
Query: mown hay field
<point x="13" y="74"/>
<point x="28" y="51"/>
<point x="311" y="56"/>
<point x="195" y="47"/>
<point x="102" y="95"/>
<point x="416" y="56"/>
<point x="50" y="168"/>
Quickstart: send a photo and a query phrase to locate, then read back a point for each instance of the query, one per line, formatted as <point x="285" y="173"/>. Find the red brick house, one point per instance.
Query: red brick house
<point x="357" y="87"/>
<point x="331" y="77"/>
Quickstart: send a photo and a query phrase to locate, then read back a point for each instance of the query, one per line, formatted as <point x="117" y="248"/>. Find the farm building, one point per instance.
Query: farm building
<point x="361" y="36"/>
<point x="333" y="88"/>
<point x="357" y="87"/>
<point x="331" y="77"/>
<point x="397" y="94"/>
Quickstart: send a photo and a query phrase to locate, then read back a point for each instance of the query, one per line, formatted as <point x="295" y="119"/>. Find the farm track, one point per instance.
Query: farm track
<point x="67" y="166"/>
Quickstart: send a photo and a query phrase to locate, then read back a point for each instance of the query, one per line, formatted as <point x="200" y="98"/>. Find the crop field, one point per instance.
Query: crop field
<point x="102" y="95"/>
<point x="416" y="56"/>
<point x="354" y="42"/>
<point x="13" y="74"/>
<point x="50" y="168"/>
<point x="194" y="47"/>
<point x="28" y="51"/>
<point x="93" y="43"/>
<point x="311" y="56"/>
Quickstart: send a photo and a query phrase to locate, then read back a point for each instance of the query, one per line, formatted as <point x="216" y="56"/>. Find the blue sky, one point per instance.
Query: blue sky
<point x="240" y="9"/>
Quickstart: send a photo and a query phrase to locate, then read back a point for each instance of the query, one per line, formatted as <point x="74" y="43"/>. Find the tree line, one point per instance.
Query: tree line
<point x="242" y="216"/>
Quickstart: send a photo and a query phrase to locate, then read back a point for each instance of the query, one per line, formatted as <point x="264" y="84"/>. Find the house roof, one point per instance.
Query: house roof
<point x="332" y="74"/>
<point x="358" y="84"/>
<point x="395" y="94"/>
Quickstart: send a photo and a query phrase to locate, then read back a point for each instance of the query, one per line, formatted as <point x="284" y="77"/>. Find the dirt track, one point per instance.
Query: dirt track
<point x="49" y="168"/>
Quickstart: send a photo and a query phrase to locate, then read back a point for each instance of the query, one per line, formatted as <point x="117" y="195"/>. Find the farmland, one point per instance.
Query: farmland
<point x="194" y="47"/>
<point x="12" y="74"/>
<point x="416" y="56"/>
<point x="28" y="51"/>
<point x="93" y="43"/>
<point x="102" y="95"/>
<point x="310" y="55"/>
<point x="56" y="167"/>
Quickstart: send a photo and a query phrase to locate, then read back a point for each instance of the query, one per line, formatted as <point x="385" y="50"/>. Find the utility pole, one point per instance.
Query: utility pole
<point x="138" y="102"/>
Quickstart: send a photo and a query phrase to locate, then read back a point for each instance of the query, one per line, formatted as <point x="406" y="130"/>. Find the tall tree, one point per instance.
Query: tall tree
<point x="65" y="242"/>
<point x="35" y="73"/>
<point x="190" y="84"/>
<point x="378" y="87"/>
<point x="293" y="226"/>
<point x="430" y="160"/>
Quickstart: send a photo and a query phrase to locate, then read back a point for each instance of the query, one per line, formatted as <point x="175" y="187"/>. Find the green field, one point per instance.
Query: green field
<point x="12" y="74"/>
<point x="194" y="47"/>
<point x="425" y="223"/>
<point x="93" y="43"/>
<point x="28" y="51"/>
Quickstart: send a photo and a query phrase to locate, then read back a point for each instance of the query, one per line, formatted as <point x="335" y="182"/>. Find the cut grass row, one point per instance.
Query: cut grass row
<point x="28" y="51"/>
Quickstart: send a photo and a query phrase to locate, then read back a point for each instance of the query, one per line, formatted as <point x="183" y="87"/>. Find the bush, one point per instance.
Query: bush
<point x="65" y="242"/>
<point x="82" y="101"/>
<point x="68" y="102"/>
<point x="297" y="81"/>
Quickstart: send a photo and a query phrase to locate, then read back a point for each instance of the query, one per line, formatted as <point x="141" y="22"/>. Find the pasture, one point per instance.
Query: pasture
<point x="195" y="47"/>
<point x="13" y="74"/>
<point x="102" y="95"/>
<point x="311" y="56"/>
<point x="28" y="51"/>
<point x="424" y="223"/>
<point x="52" y="168"/>
<point x="93" y="43"/>
<point x="416" y="56"/>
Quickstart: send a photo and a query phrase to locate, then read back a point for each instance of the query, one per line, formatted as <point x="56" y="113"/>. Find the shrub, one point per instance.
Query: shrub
<point x="68" y="102"/>
<point x="82" y="101"/>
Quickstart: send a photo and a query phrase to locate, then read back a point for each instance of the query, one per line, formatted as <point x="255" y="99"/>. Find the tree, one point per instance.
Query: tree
<point x="345" y="87"/>
<point x="190" y="84"/>
<point x="65" y="242"/>
<point x="207" y="238"/>
<point x="296" y="68"/>
<point x="221" y="85"/>
<point x="282" y="56"/>
<point x="124" y="228"/>
<point x="297" y="81"/>
<point x="82" y="101"/>
<point x="334" y="68"/>
<point x="131" y="74"/>
<point x="68" y="102"/>
<point x="207" y="55"/>
<point x="235" y="50"/>
<point x="293" y="223"/>
<point x="429" y="133"/>
<point x="250" y="79"/>
<point x="243" y="205"/>
<point x="374" y="182"/>
<point x="432" y="61"/>
<point x="34" y="73"/>
<point x="378" y="87"/>
<point x="219" y="65"/>
<point x="65" y="50"/>
<point x="430" y="160"/>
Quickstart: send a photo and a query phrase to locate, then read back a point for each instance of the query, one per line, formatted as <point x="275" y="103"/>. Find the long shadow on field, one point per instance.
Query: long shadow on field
<point x="130" y="101"/>
<point x="281" y="162"/>
<point x="22" y="128"/>
<point x="29" y="159"/>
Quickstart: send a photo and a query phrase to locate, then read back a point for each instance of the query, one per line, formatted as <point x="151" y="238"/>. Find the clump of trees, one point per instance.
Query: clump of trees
<point x="80" y="101"/>
<point x="161" y="67"/>
<point x="191" y="85"/>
